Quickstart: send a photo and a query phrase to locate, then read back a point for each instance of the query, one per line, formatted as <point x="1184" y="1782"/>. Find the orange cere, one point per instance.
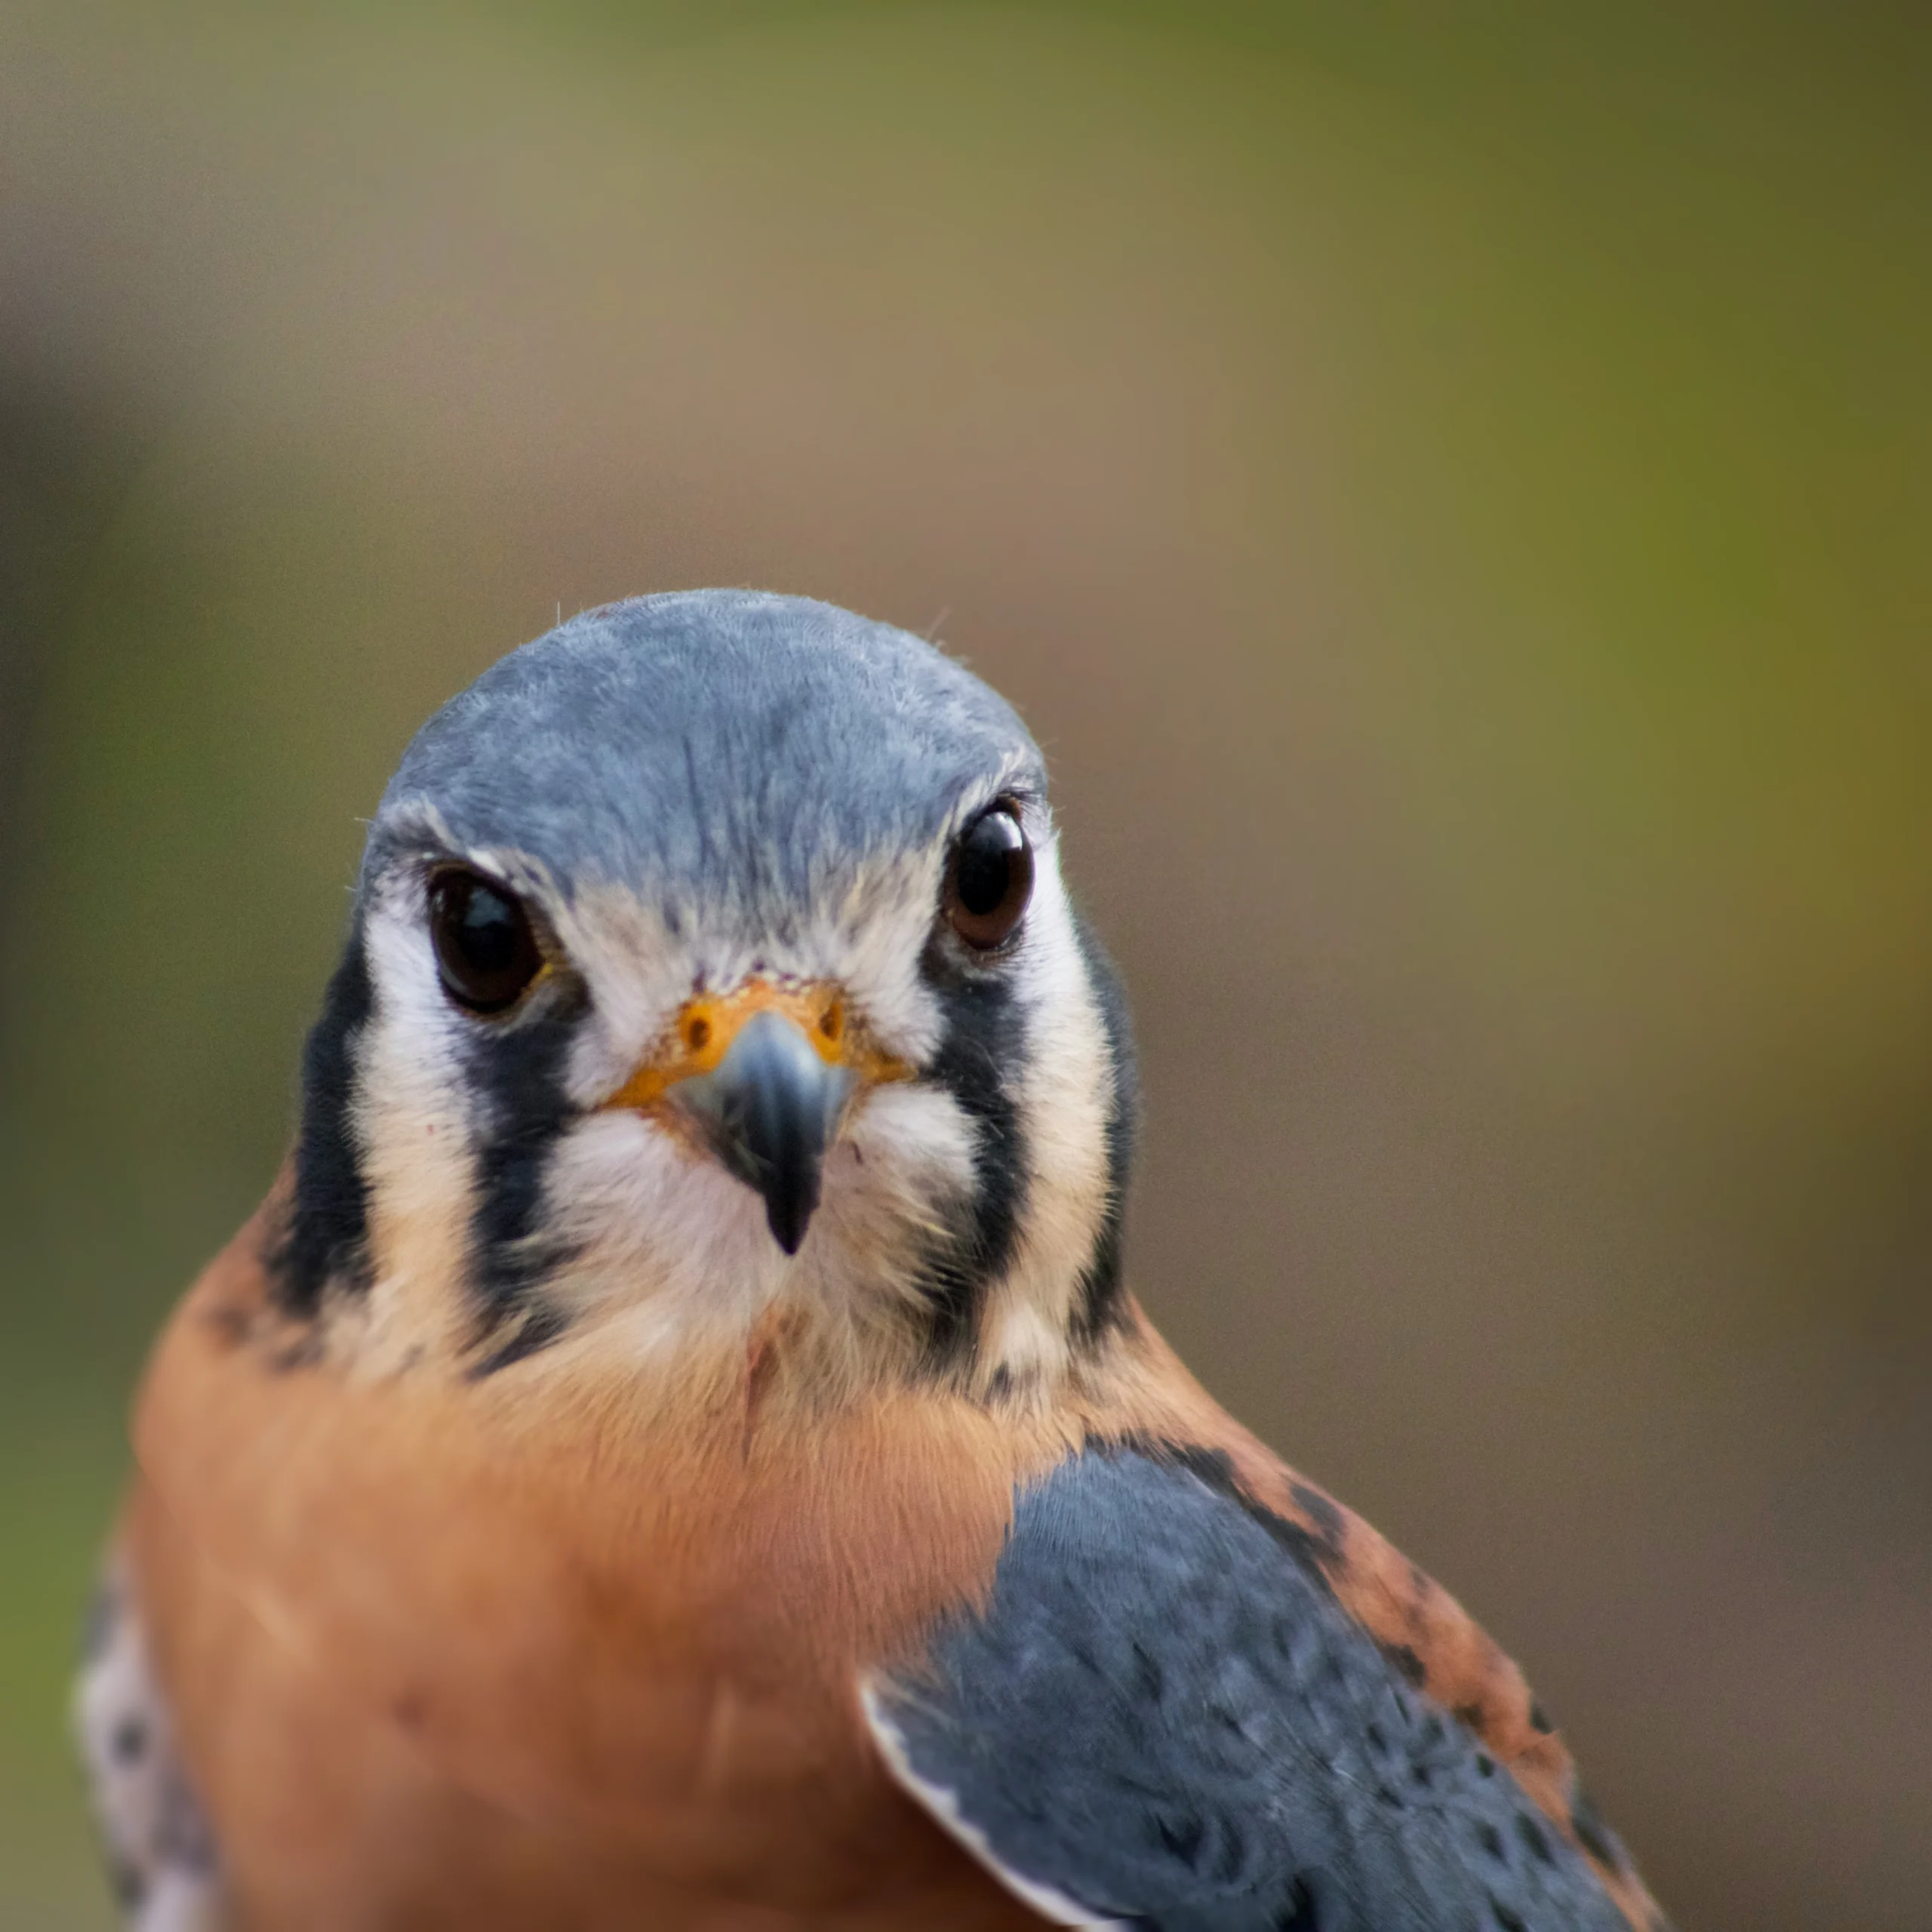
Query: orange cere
<point x="707" y="1024"/>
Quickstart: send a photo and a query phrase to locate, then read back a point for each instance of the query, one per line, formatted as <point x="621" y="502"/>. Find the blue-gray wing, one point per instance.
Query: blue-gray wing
<point x="1165" y="1720"/>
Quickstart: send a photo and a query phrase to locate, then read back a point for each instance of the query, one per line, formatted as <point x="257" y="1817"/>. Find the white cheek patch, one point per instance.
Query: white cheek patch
<point x="1064" y="1097"/>
<point x="416" y="1137"/>
<point x="903" y="1166"/>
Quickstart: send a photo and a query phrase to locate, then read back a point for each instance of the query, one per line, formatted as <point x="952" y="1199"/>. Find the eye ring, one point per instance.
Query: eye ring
<point x="989" y="878"/>
<point x="487" y="953"/>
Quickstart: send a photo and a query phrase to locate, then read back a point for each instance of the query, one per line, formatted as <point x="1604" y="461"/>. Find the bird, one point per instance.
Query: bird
<point x="677" y="1447"/>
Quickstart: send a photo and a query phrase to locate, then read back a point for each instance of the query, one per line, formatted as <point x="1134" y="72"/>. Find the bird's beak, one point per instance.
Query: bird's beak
<point x="762" y="1078"/>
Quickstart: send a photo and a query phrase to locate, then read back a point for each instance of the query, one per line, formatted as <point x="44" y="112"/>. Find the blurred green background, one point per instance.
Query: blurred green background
<point x="1449" y="487"/>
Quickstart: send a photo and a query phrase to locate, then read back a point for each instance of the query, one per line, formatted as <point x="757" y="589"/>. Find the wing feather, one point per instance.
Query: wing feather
<point x="1164" y="1718"/>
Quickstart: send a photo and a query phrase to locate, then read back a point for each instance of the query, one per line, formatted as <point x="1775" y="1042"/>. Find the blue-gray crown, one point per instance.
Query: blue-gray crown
<point x="705" y="741"/>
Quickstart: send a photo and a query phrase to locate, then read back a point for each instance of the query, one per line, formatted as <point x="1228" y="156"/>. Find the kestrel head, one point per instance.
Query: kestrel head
<point x="710" y="956"/>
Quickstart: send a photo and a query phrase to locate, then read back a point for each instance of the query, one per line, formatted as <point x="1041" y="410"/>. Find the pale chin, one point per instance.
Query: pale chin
<point x="645" y="1221"/>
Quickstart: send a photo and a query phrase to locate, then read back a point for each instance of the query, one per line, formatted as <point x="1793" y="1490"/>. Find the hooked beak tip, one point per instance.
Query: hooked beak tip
<point x="770" y="1110"/>
<point x="788" y="1224"/>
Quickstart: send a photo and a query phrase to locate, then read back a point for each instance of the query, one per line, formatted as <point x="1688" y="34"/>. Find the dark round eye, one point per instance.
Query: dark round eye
<point x="990" y="879"/>
<point x="485" y="951"/>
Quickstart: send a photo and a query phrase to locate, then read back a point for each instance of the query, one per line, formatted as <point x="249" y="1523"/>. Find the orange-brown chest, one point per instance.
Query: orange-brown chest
<point x="447" y="1643"/>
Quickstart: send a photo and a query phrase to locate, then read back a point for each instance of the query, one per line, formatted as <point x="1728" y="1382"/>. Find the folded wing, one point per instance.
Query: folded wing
<point x="1164" y="1718"/>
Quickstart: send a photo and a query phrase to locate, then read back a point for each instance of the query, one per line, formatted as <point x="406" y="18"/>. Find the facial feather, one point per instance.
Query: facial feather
<point x="507" y="1203"/>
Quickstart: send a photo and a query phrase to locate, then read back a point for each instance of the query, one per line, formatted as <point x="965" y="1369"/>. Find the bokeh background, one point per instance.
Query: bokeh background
<point x="1449" y="486"/>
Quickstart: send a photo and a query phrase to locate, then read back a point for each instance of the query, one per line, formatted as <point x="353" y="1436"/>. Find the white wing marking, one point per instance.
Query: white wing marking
<point x="1055" y="1907"/>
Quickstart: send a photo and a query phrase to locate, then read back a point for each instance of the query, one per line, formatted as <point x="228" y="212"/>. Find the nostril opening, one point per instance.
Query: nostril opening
<point x="698" y="1034"/>
<point x="831" y="1023"/>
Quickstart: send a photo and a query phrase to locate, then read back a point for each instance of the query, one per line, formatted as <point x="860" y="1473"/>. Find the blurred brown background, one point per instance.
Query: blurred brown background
<point x="1449" y="487"/>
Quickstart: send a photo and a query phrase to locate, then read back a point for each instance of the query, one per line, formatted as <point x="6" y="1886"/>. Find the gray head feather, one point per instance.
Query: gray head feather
<point x="708" y="746"/>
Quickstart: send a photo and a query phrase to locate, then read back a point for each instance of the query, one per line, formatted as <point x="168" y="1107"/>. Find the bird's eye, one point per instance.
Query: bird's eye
<point x="485" y="951"/>
<point x="990" y="878"/>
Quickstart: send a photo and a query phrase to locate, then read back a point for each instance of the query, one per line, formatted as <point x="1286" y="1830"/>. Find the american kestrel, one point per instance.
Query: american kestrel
<point x="676" y="1448"/>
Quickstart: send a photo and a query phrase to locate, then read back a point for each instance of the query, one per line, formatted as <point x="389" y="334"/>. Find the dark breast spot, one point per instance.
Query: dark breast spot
<point x="302" y="1350"/>
<point x="539" y="1326"/>
<point x="229" y="1325"/>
